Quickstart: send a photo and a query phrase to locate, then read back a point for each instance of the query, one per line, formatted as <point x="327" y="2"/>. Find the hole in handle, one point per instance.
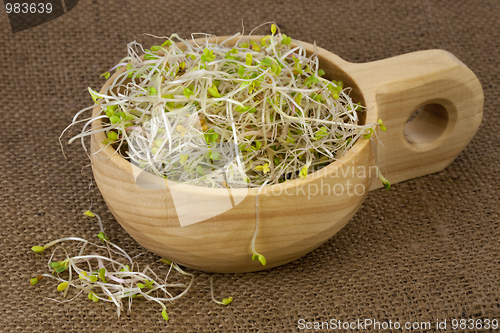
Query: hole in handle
<point x="426" y="124"/>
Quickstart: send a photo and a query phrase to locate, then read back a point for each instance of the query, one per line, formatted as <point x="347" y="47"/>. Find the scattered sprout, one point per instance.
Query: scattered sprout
<point x="62" y="286"/>
<point x="106" y="75"/>
<point x="89" y="213"/>
<point x="38" y="249"/>
<point x="166" y="261"/>
<point x="60" y="269"/>
<point x="164" y="314"/>
<point x="114" y="277"/>
<point x="55" y="264"/>
<point x="225" y="301"/>
<point x="102" y="236"/>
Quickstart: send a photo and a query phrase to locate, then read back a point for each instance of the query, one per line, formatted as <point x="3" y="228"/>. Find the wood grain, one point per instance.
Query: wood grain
<point x="298" y="216"/>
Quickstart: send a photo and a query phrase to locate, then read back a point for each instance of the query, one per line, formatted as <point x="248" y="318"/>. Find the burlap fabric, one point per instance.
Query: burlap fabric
<point x="426" y="250"/>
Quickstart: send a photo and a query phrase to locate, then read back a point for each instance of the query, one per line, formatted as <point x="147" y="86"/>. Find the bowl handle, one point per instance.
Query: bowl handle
<point x="433" y="83"/>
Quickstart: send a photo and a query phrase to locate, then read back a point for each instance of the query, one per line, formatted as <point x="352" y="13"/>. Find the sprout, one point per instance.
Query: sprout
<point x="55" y="264"/>
<point x="164" y="314"/>
<point x="89" y="213"/>
<point x="38" y="249"/>
<point x="381" y="125"/>
<point x="102" y="236"/>
<point x="62" y="286"/>
<point x="225" y="301"/>
<point x="303" y="172"/>
<point x="107" y="277"/>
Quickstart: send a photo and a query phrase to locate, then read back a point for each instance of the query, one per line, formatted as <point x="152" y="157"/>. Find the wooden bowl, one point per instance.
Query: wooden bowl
<point x="211" y="229"/>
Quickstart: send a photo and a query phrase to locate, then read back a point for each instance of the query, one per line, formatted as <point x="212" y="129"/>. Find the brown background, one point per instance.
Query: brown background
<point x="428" y="249"/>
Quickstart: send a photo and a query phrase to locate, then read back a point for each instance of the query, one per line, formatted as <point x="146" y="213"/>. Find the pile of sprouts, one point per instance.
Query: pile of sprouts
<point x="208" y="114"/>
<point x="111" y="276"/>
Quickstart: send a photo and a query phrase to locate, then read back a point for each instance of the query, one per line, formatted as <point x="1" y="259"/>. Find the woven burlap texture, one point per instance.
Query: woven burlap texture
<point x="428" y="249"/>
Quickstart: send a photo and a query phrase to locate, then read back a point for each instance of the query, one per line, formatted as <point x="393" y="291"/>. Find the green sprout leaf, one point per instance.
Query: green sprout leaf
<point x="149" y="57"/>
<point x="152" y="91"/>
<point x="298" y="98"/>
<point x="387" y="185"/>
<point x="214" y="156"/>
<point x="211" y="136"/>
<point x="255" y="256"/>
<point x="273" y="29"/>
<point x="214" y="92"/>
<point x="62" y="286"/>
<point x="199" y="170"/>
<point x="166" y="261"/>
<point x="60" y="269"/>
<point x="183" y="158"/>
<point x="37" y="249"/>
<point x="207" y="55"/>
<point x="33" y="281"/>
<point x="106" y="75"/>
<point x="187" y="92"/>
<point x="262" y="260"/>
<point x="368" y="133"/>
<point x="93" y="297"/>
<point x="266" y="62"/>
<point x="114" y="119"/>
<point x="286" y="40"/>
<point x="310" y="80"/>
<point x="125" y="268"/>
<point x="247" y="108"/>
<point x="166" y="43"/>
<point x="102" y="236"/>
<point x="248" y="59"/>
<point x="381" y="125"/>
<point x="164" y="314"/>
<point x="323" y="131"/>
<point x="113" y="136"/>
<point x="227" y="301"/>
<point x="102" y="275"/>
<point x="275" y="69"/>
<point x="303" y="172"/>
<point x="55" y="264"/>
<point x="255" y="47"/>
<point x="241" y="71"/>
<point x="94" y="96"/>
